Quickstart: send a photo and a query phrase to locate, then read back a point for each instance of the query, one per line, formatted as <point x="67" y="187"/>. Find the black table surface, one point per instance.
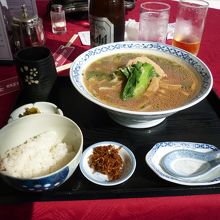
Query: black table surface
<point x="200" y="123"/>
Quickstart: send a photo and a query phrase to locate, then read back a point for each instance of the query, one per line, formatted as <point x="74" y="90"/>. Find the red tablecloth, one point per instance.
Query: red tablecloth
<point x="180" y="207"/>
<point x="164" y="208"/>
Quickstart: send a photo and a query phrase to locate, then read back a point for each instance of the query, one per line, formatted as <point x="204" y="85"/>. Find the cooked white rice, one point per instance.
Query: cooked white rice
<point x="38" y="156"/>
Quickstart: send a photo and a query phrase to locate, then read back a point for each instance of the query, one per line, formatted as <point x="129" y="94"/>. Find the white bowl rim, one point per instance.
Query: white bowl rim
<point x="129" y="112"/>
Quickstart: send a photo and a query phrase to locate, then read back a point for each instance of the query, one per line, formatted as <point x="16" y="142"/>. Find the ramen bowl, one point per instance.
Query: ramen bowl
<point x="133" y="118"/>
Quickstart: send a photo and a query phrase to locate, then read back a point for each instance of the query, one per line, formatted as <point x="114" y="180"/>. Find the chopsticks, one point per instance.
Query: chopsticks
<point x="63" y="67"/>
<point x="69" y="43"/>
<point x="72" y="39"/>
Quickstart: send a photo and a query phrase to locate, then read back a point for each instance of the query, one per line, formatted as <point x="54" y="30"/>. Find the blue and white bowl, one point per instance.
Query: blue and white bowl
<point x="18" y="131"/>
<point x="137" y="119"/>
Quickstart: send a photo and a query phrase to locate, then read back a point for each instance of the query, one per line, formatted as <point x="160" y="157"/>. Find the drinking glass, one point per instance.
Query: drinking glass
<point x="58" y="19"/>
<point x="153" y="22"/>
<point x="190" y="23"/>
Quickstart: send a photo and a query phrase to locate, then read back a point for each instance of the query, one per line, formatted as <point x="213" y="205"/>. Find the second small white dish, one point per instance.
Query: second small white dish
<point x="129" y="165"/>
<point x="156" y="158"/>
<point x="43" y="107"/>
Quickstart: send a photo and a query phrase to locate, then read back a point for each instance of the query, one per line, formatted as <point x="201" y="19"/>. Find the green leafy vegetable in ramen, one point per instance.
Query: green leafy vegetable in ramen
<point x="138" y="77"/>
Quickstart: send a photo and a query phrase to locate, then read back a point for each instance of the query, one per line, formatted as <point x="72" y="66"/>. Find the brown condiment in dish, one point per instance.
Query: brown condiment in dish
<point x="106" y="160"/>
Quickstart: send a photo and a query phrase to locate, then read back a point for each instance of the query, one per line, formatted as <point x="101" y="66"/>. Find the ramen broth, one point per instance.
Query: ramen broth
<point x="179" y="87"/>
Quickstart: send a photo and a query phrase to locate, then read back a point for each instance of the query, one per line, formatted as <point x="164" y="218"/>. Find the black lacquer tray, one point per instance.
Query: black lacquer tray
<point x="200" y="123"/>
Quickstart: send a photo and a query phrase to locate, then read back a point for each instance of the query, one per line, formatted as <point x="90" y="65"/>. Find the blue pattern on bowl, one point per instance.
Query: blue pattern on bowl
<point x="39" y="184"/>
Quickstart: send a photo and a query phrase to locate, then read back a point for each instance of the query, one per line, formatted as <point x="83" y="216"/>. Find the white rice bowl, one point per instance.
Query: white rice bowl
<point x="45" y="162"/>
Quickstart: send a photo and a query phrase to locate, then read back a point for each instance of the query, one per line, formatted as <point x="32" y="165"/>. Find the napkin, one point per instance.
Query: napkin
<point x="131" y="30"/>
<point x="84" y="37"/>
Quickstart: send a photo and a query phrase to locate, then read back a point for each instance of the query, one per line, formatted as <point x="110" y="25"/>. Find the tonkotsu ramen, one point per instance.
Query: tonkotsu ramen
<point x="141" y="81"/>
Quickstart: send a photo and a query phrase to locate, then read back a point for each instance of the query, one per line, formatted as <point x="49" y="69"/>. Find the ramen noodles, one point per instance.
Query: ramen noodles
<point x="174" y="83"/>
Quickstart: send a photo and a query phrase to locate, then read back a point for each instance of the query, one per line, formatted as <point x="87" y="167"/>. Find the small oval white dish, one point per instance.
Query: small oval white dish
<point x="42" y="107"/>
<point x="176" y="168"/>
<point x="129" y="164"/>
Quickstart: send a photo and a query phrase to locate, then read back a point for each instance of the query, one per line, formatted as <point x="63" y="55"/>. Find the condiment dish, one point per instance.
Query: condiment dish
<point x="129" y="164"/>
<point x="41" y="107"/>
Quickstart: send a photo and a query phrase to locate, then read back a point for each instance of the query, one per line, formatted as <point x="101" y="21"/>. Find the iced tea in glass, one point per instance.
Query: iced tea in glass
<point x="190" y="23"/>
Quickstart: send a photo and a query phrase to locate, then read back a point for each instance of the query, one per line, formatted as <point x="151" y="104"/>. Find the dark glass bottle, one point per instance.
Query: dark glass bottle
<point x="107" y="21"/>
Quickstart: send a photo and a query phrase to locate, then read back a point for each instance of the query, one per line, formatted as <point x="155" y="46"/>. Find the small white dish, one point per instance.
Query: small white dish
<point x="157" y="159"/>
<point x="43" y="107"/>
<point x="100" y="179"/>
